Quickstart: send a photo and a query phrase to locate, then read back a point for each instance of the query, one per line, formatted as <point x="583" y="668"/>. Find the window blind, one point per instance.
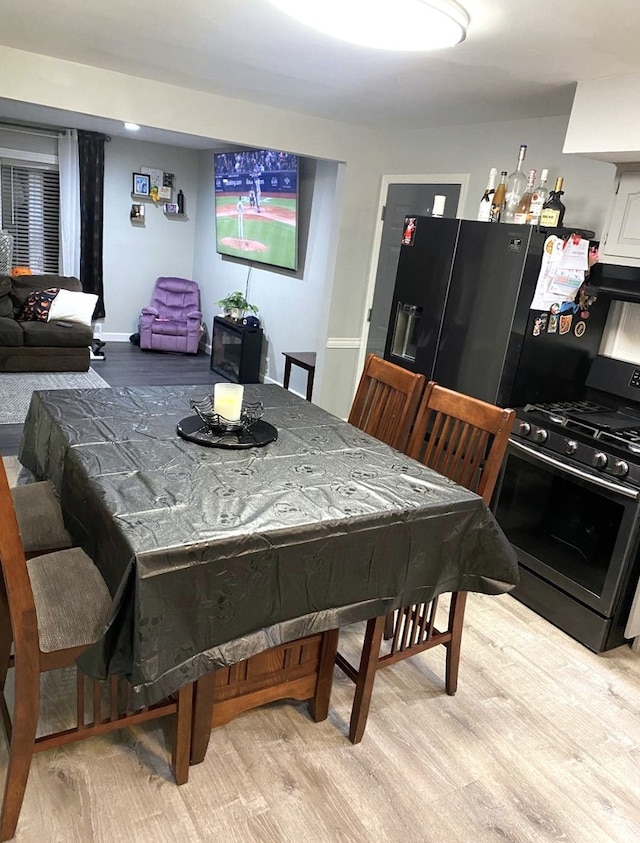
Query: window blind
<point x="30" y="210"/>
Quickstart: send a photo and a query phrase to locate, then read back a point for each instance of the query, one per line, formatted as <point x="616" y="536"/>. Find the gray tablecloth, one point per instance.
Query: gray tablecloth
<point x="213" y="555"/>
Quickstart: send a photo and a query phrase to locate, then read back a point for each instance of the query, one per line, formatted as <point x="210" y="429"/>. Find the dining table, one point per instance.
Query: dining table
<point x="215" y="553"/>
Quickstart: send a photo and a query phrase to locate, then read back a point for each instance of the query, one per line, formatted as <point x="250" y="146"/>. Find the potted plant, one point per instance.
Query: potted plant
<point x="235" y="305"/>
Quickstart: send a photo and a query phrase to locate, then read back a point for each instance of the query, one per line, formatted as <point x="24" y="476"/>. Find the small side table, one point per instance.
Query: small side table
<point x="303" y="359"/>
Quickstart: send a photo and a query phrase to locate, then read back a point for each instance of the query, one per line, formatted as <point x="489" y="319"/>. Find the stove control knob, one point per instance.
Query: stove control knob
<point x="524" y="428"/>
<point x="620" y="468"/>
<point x="570" y="446"/>
<point x="540" y="435"/>
<point x="600" y="460"/>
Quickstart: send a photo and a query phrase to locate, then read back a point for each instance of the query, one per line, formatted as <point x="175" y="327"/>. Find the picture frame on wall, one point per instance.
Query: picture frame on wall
<point x="141" y="184"/>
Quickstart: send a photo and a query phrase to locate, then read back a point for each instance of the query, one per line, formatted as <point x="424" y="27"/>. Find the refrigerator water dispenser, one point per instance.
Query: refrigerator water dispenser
<point x="406" y="331"/>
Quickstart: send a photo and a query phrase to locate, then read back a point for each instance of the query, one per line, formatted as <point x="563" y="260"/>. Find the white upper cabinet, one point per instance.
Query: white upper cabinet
<point x="605" y="120"/>
<point x="621" y="242"/>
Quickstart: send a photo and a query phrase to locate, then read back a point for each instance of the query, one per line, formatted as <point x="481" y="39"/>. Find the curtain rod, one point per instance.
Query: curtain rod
<point x="39" y="131"/>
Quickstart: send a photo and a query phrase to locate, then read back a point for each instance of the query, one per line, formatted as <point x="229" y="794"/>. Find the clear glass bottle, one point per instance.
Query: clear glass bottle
<point x="497" y="206"/>
<point x="521" y="216"/>
<point x="540" y="196"/>
<point x="484" y="210"/>
<point x="516" y="185"/>
<point x="553" y="209"/>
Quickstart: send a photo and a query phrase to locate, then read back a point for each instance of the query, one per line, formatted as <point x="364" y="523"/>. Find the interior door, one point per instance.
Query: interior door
<point x="402" y="200"/>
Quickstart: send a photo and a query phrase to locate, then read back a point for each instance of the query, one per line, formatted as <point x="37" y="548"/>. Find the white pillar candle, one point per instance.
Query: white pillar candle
<point x="438" y="206"/>
<point x="227" y="400"/>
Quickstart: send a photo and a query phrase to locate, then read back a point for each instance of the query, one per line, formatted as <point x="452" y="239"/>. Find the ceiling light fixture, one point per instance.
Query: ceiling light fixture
<point x="384" y="24"/>
<point x="132" y="127"/>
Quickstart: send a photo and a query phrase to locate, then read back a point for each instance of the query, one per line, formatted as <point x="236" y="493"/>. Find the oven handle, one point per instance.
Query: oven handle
<point x="569" y="469"/>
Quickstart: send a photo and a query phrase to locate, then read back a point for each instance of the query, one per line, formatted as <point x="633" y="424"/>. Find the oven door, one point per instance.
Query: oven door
<point x="572" y="528"/>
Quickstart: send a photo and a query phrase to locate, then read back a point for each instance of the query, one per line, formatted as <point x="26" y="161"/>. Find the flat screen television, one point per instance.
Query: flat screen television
<point x="256" y="194"/>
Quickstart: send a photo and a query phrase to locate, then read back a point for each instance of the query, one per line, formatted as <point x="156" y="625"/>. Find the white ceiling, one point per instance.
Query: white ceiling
<point x="520" y="59"/>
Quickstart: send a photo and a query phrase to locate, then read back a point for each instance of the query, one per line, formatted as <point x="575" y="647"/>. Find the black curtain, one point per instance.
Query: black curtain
<point x="91" y="152"/>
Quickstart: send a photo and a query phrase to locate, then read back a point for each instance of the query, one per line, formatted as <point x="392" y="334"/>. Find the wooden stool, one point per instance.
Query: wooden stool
<point x="304" y="359"/>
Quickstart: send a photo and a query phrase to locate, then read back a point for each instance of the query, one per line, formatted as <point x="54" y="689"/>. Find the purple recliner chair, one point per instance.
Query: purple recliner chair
<point x="173" y="320"/>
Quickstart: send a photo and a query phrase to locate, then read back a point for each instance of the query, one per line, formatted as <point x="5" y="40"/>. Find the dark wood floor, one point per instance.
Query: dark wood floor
<point x="127" y="365"/>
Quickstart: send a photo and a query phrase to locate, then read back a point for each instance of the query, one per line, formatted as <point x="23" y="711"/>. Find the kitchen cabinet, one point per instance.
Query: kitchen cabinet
<point x="621" y="243"/>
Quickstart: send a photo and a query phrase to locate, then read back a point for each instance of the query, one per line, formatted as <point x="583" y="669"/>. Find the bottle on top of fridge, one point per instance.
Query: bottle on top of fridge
<point x="497" y="205"/>
<point x="553" y="209"/>
<point x="521" y="216"/>
<point x="540" y="196"/>
<point x="484" y="210"/>
<point x="516" y="185"/>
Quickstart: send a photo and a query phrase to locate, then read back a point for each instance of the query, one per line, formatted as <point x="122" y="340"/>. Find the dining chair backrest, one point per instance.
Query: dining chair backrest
<point x="461" y="437"/>
<point x="464" y="439"/>
<point x="386" y="401"/>
<point x="15" y="587"/>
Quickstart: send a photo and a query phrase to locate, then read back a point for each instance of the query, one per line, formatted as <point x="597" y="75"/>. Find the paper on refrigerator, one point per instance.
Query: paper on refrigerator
<point x="558" y="280"/>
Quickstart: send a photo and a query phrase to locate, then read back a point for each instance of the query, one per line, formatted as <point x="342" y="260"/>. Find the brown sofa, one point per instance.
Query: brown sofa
<point x="56" y="346"/>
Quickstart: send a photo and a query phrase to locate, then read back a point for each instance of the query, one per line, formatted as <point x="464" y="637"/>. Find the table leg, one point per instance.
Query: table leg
<point x="366" y="676"/>
<point x="202" y="714"/>
<point x="287" y="372"/>
<point x="183" y="735"/>
<point x="319" y="703"/>
<point x="310" y="374"/>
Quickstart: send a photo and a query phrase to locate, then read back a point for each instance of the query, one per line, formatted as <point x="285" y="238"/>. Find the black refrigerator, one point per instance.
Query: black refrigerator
<point x="461" y="314"/>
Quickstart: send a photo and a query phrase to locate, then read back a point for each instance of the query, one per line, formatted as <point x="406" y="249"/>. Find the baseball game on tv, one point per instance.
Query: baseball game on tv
<point x="256" y="193"/>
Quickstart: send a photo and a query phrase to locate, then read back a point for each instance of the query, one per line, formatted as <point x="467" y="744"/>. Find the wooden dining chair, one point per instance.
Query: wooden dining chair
<point x="465" y="439"/>
<point x="40" y="519"/>
<point x="386" y="401"/>
<point x="51" y="608"/>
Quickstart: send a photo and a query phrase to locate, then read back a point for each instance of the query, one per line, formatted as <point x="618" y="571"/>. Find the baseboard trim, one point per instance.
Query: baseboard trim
<point x="114" y="337"/>
<point x="343" y="342"/>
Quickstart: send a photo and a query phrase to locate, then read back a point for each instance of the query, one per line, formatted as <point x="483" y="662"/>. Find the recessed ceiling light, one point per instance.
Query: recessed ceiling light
<point x="384" y="24"/>
<point x="132" y="127"/>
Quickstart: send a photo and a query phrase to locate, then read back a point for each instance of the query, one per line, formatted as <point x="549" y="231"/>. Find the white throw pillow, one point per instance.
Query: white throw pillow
<point x="73" y="307"/>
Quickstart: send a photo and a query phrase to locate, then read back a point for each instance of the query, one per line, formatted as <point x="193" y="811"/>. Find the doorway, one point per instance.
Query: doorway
<point x="400" y="196"/>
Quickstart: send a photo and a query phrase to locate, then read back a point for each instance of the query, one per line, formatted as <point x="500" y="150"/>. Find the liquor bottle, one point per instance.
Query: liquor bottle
<point x="516" y="184"/>
<point x="180" y="202"/>
<point x="521" y="216"/>
<point x="484" y="211"/>
<point x="497" y="206"/>
<point x="553" y="209"/>
<point x="540" y="196"/>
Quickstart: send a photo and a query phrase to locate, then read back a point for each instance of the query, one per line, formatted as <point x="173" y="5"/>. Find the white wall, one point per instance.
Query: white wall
<point x="475" y="149"/>
<point x="292" y="306"/>
<point x="135" y="254"/>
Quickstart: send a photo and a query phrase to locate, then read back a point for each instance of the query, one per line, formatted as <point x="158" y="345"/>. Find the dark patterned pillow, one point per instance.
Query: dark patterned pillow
<point x="37" y="304"/>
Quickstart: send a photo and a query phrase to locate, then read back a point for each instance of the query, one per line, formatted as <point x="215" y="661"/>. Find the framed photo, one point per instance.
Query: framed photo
<point x="141" y="185"/>
<point x="170" y="208"/>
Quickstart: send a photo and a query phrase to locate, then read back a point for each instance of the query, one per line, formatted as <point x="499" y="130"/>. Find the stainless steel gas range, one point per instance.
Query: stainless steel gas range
<point x="569" y="501"/>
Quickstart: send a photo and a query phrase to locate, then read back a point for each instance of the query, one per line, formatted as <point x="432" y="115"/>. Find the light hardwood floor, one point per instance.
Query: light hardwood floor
<point x="541" y="743"/>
